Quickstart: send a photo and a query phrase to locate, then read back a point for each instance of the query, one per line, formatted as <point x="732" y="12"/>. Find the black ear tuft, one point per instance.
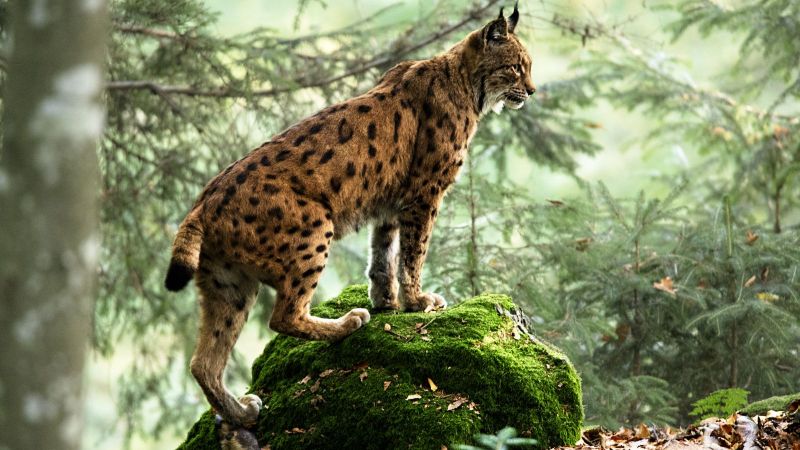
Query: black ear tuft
<point x="513" y="18"/>
<point x="501" y="14"/>
<point x="496" y="30"/>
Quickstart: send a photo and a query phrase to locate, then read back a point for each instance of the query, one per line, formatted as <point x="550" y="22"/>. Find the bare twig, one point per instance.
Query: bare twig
<point x="429" y="322"/>
<point x="400" y="336"/>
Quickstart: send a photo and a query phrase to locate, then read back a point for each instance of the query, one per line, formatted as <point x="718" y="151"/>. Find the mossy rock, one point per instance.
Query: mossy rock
<point x="356" y="393"/>
<point x="778" y="403"/>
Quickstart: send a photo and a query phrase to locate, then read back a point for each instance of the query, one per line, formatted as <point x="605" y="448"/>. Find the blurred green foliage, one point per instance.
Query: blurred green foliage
<point x="503" y="440"/>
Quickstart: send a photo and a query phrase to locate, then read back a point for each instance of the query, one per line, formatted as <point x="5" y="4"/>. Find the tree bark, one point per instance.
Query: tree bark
<point x="52" y="120"/>
<point x="472" y="254"/>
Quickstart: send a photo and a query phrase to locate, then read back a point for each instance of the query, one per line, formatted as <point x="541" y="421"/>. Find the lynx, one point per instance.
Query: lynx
<point x="387" y="157"/>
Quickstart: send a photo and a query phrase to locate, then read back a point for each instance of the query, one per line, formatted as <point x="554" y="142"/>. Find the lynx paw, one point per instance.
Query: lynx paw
<point x="384" y="295"/>
<point x="356" y="318"/>
<point x="427" y="301"/>
<point x="252" y="407"/>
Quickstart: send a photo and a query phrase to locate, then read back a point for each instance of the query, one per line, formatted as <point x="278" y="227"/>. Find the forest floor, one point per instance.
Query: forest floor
<point x="773" y="431"/>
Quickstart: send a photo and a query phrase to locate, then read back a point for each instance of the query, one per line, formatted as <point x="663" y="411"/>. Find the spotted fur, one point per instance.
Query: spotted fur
<point x="387" y="157"/>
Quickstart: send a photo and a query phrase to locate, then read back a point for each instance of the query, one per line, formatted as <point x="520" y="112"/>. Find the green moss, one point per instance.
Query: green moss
<point x="779" y="403"/>
<point x="470" y="352"/>
<point x="202" y="435"/>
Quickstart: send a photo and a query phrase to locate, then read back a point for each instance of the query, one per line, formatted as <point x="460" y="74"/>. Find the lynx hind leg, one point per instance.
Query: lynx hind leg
<point x="226" y="297"/>
<point x="291" y="314"/>
<point x="382" y="272"/>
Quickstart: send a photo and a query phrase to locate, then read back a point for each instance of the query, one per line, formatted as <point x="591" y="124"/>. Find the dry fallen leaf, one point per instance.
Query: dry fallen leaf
<point x="455" y="405"/>
<point x="386" y="385"/>
<point x="750" y="281"/>
<point x="556" y="203"/>
<point x="737" y="432"/>
<point x="387" y="327"/>
<point x="432" y="385"/>
<point x="593" y="436"/>
<point x="414" y="397"/>
<point x="642" y="432"/>
<point x="362" y="376"/>
<point x="426" y="338"/>
<point x="751" y="237"/>
<point x="314" y="387"/>
<point x="305" y="380"/>
<point x="623" y="434"/>
<point x="665" y="285"/>
<point x="326" y="373"/>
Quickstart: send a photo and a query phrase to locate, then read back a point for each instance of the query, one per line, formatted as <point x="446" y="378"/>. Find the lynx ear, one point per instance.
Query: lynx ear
<point x="496" y="30"/>
<point x="513" y="18"/>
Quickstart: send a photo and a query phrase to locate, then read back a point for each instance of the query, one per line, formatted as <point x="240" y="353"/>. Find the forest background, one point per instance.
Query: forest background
<point x="643" y="209"/>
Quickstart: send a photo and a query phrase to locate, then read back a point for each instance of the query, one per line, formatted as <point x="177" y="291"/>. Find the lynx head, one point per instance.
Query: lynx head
<point x="502" y="66"/>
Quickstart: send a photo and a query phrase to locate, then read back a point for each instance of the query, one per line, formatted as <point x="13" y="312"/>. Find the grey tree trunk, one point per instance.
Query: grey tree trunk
<point x="49" y="244"/>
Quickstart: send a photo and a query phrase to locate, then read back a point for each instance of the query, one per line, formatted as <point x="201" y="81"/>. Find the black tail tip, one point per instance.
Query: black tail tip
<point x="178" y="276"/>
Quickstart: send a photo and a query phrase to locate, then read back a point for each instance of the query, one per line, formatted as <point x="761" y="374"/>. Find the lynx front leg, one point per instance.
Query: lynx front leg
<point x="416" y="225"/>
<point x="291" y="314"/>
<point x="382" y="270"/>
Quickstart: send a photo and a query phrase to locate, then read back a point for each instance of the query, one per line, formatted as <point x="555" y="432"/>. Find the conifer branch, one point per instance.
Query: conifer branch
<point x="151" y="32"/>
<point x="232" y="92"/>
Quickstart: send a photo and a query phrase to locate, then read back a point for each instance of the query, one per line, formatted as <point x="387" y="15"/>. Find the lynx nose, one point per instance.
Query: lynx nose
<point x="530" y="90"/>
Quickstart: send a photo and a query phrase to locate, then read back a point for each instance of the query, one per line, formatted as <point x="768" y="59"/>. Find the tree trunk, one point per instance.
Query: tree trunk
<point x="472" y="251"/>
<point x="49" y="244"/>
